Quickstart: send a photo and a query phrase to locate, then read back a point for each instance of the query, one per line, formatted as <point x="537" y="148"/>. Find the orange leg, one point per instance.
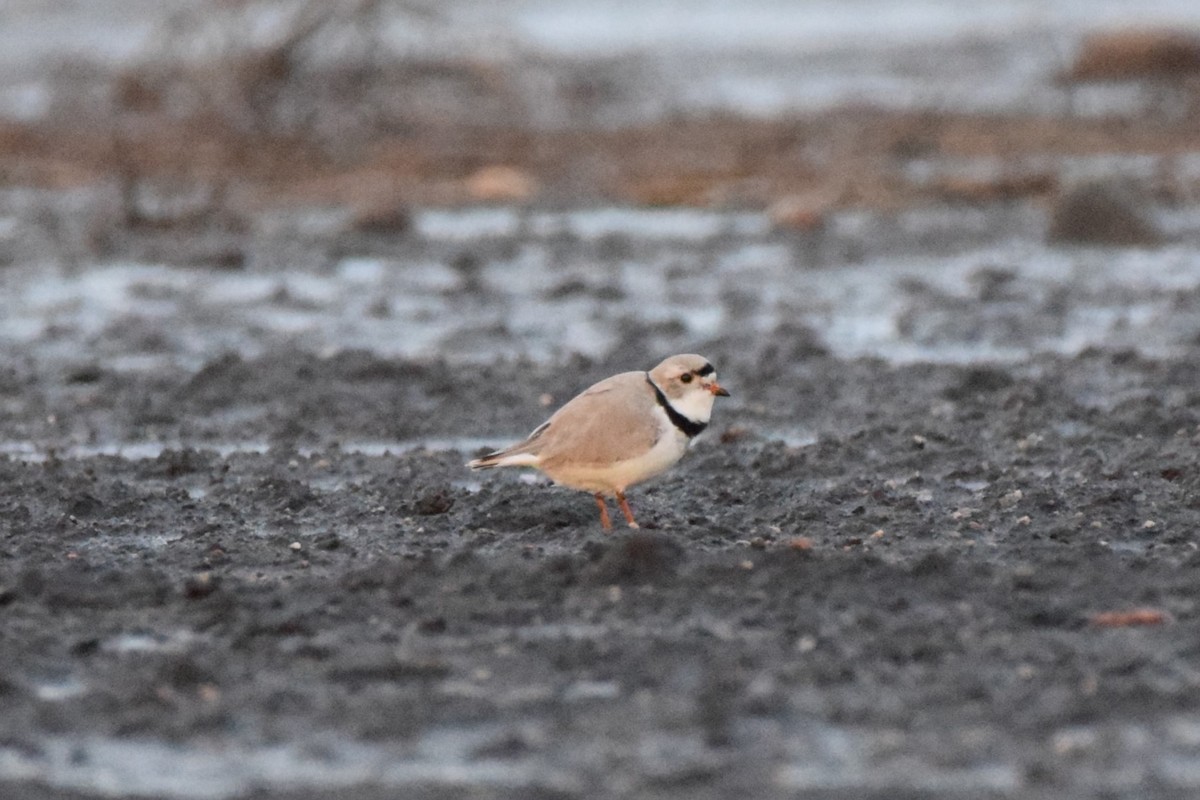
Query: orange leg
<point x="604" y="520"/>
<point x="626" y="510"/>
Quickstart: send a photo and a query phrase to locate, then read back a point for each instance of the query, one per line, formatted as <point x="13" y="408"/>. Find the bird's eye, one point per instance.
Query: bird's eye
<point x="686" y="377"/>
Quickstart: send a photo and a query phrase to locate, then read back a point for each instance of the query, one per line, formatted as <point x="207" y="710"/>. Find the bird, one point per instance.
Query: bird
<point x="620" y="431"/>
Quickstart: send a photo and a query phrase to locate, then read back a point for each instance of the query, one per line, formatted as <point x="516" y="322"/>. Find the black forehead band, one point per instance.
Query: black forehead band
<point x="707" y="369"/>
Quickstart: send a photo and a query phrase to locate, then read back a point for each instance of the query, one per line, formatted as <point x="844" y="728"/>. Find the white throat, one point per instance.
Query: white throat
<point x="695" y="405"/>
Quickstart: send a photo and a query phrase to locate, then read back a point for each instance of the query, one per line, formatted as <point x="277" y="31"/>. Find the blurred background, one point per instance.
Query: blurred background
<point x="911" y="179"/>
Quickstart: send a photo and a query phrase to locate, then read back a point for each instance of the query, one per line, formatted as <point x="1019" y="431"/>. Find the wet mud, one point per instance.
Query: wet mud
<point x="910" y="599"/>
<point x="256" y="313"/>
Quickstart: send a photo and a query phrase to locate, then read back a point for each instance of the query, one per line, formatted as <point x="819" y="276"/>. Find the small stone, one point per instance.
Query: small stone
<point x="381" y="218"/>
<point x="1102" y="213"/>
<point x="1127" y="619"/>
<point x="437" y="501"/>
<point x="733" y="434"/>
<point x="1074" y="740"/>
<point x="499" y="183"/>
<point x="1032" y="440"/>
<point x="200" y="585"/>
<point x="1011" y="498"/>
<point x="328" y="541"/>
<point x="801" y="212"/>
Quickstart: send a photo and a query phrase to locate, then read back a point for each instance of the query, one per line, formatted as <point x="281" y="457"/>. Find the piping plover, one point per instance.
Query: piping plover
<point x="620" y="431"/>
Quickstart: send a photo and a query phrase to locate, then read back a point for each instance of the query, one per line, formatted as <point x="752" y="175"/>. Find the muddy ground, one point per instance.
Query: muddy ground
<point x="942" y="540"/>
<point x="909" y="603"/>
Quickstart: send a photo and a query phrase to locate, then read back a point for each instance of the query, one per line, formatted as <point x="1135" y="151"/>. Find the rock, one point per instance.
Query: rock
<point x="1104" y="213"/>
<point x="800" y="212"/>
<point x="1136" y="55"/>
<point x="382" y="218"/>
<point x="978" y="380"/>
<point x="500" y="184"/>
<point x="436" y="501"/>
<point x="200" y="585"/>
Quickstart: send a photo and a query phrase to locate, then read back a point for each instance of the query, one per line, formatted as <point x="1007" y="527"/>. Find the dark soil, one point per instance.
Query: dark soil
<point x="906" y="605"/>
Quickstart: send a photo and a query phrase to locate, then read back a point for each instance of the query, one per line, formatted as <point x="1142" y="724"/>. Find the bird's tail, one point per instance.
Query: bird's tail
<point x="520" y="454"/>
<point x="504" y="458"/>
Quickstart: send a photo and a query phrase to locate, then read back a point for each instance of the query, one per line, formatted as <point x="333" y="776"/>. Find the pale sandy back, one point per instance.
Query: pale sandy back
<point x="591" y="429"/>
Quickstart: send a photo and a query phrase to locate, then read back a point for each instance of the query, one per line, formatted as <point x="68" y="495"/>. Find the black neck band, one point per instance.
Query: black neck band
<point x="689" y="428"/>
